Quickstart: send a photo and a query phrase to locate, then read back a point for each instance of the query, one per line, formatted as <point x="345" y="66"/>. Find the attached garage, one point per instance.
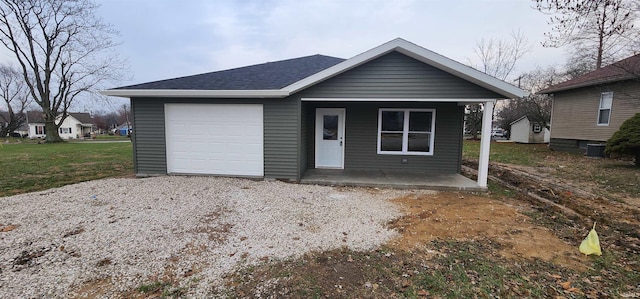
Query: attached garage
<point x="215" y="139"/>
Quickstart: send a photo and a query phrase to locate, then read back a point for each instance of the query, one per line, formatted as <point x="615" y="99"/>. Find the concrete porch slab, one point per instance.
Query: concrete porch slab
<point x="388" y="179"/>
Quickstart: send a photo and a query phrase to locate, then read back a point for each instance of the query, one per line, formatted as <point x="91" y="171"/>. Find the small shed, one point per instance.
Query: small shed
<point x="525" y="131"/>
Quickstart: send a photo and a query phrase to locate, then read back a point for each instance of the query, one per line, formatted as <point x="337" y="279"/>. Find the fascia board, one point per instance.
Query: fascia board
<point x="183" y="93"/>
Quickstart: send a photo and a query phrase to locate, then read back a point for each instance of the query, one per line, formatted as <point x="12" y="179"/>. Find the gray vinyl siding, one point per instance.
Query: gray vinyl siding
<point x="394" y="77"/>
<point x="575" y="112"/>
<point x="305" y="135"/>
<point x="398" y="76"/>
<point x="149" y="138"/>
<point x="361" y="138"/>
<point x="280" y="134"/>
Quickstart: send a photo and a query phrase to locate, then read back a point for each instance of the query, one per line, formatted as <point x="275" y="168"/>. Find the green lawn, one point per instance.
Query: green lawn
<point x="511" y="153"/>
<point x="30" y="167"/>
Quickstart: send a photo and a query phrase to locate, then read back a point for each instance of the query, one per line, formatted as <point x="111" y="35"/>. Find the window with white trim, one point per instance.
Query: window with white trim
<point x="40" y="130"/>
<point x="604" y="111"/>
<point x="406" y="131"/>
<point x="65" y="130"/>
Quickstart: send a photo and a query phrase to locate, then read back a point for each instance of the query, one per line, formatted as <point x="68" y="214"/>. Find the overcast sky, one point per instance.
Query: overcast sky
<point x="163" y="39"/>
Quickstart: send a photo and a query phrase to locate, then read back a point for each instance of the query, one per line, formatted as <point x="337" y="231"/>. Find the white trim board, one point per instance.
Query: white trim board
<point x="185" y="93"/>
<point x="396" y="100"/>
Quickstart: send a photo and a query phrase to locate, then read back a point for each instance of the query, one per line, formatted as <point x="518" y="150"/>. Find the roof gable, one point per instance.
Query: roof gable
<point x="421" y="54"/>
<point x="622" y="70"/>
<point x="295" y="80"/>
<point x="396" y="75"/>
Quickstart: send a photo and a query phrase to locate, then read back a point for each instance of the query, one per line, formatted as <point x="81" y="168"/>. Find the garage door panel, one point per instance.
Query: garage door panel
<point x="215" y="139"/>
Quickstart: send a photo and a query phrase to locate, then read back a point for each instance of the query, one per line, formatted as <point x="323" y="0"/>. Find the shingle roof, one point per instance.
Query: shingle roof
<point x="625" y="69"/>
<point x="38" y="117"/>
<point x="84" y="118"/>
<point x="270" y="75"/>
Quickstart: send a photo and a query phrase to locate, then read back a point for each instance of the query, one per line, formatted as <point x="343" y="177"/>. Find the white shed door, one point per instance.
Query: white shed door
<point x="214" y="139"/>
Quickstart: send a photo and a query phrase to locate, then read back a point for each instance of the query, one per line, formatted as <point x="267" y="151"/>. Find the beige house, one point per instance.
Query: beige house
<point x="590" y="108"/>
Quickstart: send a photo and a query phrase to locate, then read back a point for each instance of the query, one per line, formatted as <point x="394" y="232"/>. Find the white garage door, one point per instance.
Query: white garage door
<point x="214" y="139"/>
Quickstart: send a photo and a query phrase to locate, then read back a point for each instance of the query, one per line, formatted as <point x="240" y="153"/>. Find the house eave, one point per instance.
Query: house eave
<point x="439" y="100"/>
<point x="582" y="85"/>
<point x="186" y="93"/>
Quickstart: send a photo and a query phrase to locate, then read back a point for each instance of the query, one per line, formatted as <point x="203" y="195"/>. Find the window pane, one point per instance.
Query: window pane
<point x="330" y="127"/>
<point x="603" y="117"/>
<point x="391" y="142"/>
<point x="392" y="120"/>
<point x="605" y="100"/>
<point x="420" y="121"/>
<point x="418" y="142"/>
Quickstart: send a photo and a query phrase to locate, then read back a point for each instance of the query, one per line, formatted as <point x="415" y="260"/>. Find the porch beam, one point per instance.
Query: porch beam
<point x="485" y="143"/>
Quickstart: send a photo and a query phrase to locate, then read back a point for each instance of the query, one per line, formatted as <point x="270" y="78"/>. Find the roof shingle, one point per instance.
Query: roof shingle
<point x="625" y="69"/>
<point x="270" y="75"/>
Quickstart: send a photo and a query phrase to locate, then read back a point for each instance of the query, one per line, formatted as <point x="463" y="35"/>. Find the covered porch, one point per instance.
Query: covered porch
<point x="390" y="179"/>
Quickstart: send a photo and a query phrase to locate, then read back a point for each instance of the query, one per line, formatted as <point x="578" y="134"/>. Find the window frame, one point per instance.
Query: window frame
<point x="406" y="132"/>
<point x="600" y="109"/>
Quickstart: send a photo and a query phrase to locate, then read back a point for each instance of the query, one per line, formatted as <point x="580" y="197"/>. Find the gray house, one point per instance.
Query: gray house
<point x="590" y="108"/>
<point x="397" y="108"/>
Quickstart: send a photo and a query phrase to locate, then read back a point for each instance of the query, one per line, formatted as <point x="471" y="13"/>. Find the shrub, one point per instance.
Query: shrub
<point x="626" y="141"/>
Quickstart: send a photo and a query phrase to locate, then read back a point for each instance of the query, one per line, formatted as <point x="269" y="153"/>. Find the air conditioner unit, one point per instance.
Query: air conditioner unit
<point x="595" y="150"/>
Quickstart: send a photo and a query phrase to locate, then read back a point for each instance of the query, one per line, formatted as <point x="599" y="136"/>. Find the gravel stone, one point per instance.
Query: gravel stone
<point x="127" y="232"/>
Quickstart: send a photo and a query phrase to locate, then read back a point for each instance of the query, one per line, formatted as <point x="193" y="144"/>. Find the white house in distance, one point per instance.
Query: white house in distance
<point x="75" y="126"/>
<point x="525" y="131"/>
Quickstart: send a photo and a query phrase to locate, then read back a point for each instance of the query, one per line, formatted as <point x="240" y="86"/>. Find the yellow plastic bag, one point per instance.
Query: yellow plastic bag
<point x="591" y="244"/>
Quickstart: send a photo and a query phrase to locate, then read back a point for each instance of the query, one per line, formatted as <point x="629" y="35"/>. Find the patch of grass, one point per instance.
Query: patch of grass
<point x="112" y="137"/>
<point x="31" y="167"/>
<point x="161" y="289"/>
<point x="507" y="152"/>
<point x="152" y="287"/>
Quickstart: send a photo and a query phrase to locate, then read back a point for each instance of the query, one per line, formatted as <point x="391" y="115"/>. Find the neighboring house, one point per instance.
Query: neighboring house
<point x="76" y="125"/>
<point x="397" y="107"/>
<point x="524" y="131"/>
<point x="590" y="108"/>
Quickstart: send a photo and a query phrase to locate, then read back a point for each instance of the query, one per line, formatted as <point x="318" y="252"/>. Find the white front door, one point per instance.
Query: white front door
<point x="330" y="138"/>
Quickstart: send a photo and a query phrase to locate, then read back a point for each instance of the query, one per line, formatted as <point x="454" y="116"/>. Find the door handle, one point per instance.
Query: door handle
<point x="340" y="142"/>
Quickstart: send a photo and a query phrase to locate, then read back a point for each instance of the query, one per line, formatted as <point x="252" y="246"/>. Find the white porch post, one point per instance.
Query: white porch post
<point x="485" y="143"/>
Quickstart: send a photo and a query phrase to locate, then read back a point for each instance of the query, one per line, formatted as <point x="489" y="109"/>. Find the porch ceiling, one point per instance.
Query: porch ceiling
<point x="390" y="179"/>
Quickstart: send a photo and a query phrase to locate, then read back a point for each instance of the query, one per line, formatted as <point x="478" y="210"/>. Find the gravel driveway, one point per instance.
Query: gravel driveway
<point x="128" y="232"/>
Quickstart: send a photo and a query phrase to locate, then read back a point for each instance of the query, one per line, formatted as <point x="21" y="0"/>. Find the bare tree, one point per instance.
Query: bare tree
<point x="15" y="98"/>
<point x="600" y="31"/>
<point x="63" y="50"/>
<point x="498" y="58"/>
